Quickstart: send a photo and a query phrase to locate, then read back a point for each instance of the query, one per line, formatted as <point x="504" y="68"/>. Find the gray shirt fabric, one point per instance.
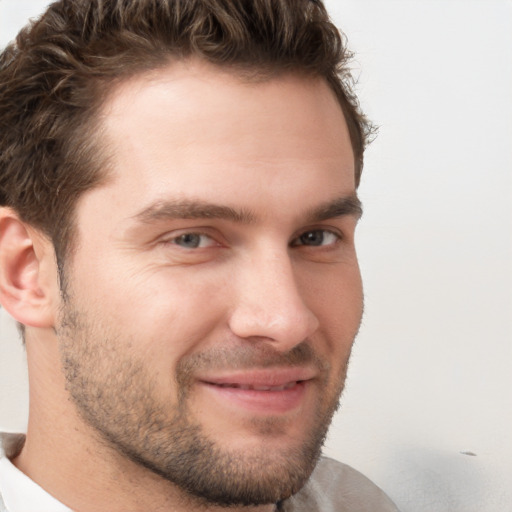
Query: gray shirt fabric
<point x="333" y="487"/>
<point x="336" y="487"/>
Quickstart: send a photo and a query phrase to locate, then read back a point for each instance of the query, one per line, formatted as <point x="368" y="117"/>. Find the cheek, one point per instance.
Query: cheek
<point x="336" y="299"/>
<point x="163" y="312"/>
<point x="334" y="294"/>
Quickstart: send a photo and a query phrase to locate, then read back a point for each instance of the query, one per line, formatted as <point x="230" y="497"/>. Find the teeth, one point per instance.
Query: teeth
<point x="246" y="387"/>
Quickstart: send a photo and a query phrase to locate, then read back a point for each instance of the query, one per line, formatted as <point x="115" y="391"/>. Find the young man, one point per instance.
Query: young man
<point x="178" y="181"/>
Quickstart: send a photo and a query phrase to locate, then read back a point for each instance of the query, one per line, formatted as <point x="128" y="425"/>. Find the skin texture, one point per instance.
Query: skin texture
<point x="218" y="257"/>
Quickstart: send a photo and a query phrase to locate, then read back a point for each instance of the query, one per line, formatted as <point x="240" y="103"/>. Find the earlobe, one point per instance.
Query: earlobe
<point x="24" y="290"/>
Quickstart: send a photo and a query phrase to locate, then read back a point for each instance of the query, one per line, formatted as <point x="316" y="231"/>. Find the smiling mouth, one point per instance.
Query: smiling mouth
<point x="248" y="387"/>
<point x="260" y="398"/>
<point x="262" y="391"/>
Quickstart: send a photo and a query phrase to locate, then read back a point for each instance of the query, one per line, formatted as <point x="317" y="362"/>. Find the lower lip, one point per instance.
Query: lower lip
<point x="261" y="402"/>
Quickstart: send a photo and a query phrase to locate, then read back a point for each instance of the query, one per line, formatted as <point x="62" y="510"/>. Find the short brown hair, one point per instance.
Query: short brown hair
<point x="55" y="77"/>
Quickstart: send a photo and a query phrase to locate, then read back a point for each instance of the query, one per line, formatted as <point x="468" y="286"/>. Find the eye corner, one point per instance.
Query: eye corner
<point x="190" y="240"/>
<point x="318" y="237"/>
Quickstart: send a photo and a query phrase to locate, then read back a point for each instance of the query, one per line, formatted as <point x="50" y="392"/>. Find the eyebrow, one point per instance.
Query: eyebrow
<point x="192" y="209"/>
<point x="343" y="206"/>
<point x="198" y="209"/>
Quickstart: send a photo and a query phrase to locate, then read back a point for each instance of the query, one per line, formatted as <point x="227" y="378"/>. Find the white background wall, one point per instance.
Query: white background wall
<point x="427" y="412"/>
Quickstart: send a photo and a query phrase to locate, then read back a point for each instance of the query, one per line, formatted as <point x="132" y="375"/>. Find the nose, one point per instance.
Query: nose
<point x="270" y="304"/>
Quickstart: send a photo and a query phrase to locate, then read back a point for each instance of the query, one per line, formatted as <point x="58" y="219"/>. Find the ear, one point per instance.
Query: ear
<point x="28" y="272"/>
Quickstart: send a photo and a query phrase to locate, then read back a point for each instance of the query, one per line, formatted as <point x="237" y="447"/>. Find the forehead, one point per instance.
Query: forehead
<point x="192" y="128"/>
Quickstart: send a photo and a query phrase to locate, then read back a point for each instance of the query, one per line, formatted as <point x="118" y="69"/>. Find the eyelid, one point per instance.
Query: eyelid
<point x="171" y="237"/>
<point x="209" y="240"/>
<point x="330" y="230"/>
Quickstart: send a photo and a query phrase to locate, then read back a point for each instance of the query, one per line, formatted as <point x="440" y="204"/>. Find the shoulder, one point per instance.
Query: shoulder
<point x="336" y="487"/>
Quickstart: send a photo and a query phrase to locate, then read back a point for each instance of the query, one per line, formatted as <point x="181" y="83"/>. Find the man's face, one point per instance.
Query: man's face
<point x="215" y="293"/>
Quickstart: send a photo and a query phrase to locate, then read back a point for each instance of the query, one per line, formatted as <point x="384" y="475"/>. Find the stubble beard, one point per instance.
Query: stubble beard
<point x="117" y="396"/>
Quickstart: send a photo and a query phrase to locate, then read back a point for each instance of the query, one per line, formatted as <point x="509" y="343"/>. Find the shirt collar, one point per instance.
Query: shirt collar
<point x="18" y="491"/>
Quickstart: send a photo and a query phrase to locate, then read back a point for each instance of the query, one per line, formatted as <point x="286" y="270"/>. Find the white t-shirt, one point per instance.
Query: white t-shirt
<point x="333" y="487"/>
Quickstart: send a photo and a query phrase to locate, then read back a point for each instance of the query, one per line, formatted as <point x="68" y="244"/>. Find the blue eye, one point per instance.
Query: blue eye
<point x="192" y="240"/>
<point x="316" y="238"/>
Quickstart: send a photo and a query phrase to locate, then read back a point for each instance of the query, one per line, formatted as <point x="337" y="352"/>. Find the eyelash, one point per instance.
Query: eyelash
<point x="325" y="232"/>
<point x="175" y="239"/>
<point x="299" y="241"/>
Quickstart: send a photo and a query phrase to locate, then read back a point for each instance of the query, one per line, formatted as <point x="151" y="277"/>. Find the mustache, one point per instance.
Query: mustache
<point x="248" y="356"/>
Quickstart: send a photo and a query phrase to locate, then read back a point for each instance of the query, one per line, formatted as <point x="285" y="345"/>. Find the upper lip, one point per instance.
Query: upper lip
<point x="260" y="378"/>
